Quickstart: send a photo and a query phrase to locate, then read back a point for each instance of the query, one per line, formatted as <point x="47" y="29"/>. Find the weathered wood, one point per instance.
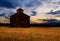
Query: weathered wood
<point x="20" y="19"/>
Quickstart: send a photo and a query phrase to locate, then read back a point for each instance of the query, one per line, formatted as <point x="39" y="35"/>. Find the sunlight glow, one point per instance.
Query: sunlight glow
<point x="58" y="19"/>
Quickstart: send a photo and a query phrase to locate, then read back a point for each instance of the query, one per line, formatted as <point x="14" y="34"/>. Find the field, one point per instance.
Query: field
<point x="30" y="34"/>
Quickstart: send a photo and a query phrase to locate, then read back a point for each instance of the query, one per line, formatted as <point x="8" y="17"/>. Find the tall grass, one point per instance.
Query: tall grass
<point x="14" y="36"/>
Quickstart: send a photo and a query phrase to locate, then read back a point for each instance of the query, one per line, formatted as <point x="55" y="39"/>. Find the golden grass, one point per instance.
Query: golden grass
<point x="29" y="34"/>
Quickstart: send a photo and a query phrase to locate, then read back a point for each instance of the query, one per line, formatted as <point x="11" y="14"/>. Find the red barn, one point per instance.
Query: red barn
<point x="20" y="19"/>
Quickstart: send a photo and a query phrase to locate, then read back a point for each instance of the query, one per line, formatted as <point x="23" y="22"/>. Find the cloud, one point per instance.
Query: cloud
<point x="55" y="0"/>
<point x="41" y="7"/>
<point x="45" y="8"/>
<point x="6" y="3"/>
<point x="7" y="12"/>
<point x="4" y="20"/>
<point x="56" y="12"/>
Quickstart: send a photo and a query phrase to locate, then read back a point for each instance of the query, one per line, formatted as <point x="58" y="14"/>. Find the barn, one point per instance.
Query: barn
<point x="20" y="19"/>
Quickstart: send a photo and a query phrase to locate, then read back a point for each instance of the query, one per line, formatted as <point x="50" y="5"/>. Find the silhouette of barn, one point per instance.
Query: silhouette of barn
<point x="20" y="19"/>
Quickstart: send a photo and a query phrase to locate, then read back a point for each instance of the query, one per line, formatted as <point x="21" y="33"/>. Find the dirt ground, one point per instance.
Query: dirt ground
<point x="30" y="34"/>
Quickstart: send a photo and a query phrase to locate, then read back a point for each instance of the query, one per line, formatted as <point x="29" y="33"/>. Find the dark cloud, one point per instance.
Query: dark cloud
<point x="6" y="3"/>
<point x="33" y="3"/>
<point x="18" y="3"/>
<point x="34" y="13"/>
<point x="56" y="12"/>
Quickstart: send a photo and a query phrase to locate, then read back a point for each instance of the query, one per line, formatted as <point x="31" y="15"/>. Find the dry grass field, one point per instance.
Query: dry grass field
<point x="30" y="34"/>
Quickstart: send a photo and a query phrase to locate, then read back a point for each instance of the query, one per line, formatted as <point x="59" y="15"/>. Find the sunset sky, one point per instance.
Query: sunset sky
<point x="37" y="9"/>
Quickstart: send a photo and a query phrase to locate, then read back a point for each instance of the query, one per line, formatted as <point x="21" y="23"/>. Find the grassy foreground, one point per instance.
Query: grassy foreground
<point x="29" y="34"/>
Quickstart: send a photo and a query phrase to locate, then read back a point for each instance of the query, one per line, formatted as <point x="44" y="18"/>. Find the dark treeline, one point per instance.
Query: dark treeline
<point x="38" y="25"/>
<point x="46" y="25"/>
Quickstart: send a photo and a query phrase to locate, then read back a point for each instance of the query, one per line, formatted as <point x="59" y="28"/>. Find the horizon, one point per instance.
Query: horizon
<point x="36" y="9"/>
